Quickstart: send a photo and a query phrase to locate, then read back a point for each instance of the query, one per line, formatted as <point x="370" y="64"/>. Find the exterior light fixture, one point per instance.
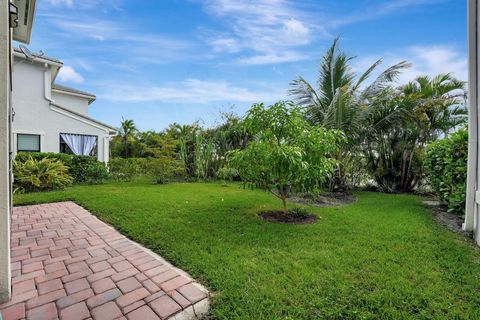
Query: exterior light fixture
<point x="13" y="15"/>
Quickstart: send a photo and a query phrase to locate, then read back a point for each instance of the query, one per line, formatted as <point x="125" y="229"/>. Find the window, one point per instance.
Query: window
<point x="80" y="143"/>
<point x="28" y="142"/>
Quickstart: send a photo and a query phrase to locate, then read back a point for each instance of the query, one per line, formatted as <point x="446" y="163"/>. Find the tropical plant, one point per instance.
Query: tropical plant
<point x="341" y="101"/>
<point x="287" y="153"/>
<point x="124" y="144"/>
<point x="83" y="169"/>
<point x="402" y="123"/>
<point x="40" y="175"/>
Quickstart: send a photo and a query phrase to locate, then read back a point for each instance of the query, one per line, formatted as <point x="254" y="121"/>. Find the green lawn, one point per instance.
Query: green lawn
<point x="380" y="258"/>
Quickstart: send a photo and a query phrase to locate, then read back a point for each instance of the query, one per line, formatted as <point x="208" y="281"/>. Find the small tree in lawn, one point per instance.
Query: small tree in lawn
<point x="287" y="153"/>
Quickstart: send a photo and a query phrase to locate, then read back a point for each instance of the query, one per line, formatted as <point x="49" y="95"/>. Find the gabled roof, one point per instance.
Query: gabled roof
<point x="58" y="87"/>
<point x="74" y="114"/>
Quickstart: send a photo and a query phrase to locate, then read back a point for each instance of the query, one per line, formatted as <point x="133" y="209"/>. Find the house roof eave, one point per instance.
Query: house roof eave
<point x="66" y="111"/>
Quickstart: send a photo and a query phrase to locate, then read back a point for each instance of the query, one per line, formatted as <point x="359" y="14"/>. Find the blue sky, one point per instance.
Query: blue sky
<point x="164" y="61"/>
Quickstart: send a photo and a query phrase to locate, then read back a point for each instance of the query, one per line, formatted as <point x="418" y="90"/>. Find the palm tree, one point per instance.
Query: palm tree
<point x="439" y="104"/>
<point x="418" y="113"/>
<point x="341" y="101"/>
<point x="127" y="133"/>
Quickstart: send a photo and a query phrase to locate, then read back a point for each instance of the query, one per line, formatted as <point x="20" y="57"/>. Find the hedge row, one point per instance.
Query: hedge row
<point x="161" y="168"/>
<point x="81" y="168"/>
<point x="446" y="168"/>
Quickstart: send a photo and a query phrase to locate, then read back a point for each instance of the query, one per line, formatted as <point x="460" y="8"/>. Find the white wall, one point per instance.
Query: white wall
<point x="5" y="191"/>
<point x="77" y="104"/>
<point x="472" y="208"/>
<point x="35" y="115"/>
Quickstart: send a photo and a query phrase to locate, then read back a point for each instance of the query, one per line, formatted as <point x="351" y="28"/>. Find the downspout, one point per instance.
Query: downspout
<point x="472" y="164"/>
<point x="47" y="80"/>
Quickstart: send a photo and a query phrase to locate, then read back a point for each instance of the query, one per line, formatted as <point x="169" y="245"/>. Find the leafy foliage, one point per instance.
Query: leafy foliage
<point x="299" y="212"/>
<point x="446" y="167"/>
<point x="87" y="170"/>
<point x="164" y="168"/>
<point x="63" y="157"/>
<point x="402" y="123"/>
<point x="287" y="154"/>
<point x="161" y="168"/>
<point x="40" y="175"/>
<point x="387" y="128"/>
<point x="227" y="174"/>
<point x="341" y="101"/>
<point x="122" y="169"/>
<point x="83" y="169"/>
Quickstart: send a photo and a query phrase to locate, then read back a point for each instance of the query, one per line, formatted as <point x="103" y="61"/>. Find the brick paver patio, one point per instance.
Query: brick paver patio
<point x="67" y="264"/>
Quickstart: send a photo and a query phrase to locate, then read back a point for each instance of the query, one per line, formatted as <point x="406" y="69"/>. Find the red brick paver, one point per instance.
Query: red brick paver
<point x="67" y="264"/>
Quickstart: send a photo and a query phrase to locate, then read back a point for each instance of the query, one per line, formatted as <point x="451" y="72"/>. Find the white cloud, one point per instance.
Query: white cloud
<point x="295" y="28"/>
<point x="225" y="45"/>
<point x="190" y="91"/>
<point x="426" y="60"/>
<point x="265" y="27"/>
<point x="273" y="58"/>
<point x="86" y="4"/>
<point x="68" y="3"/>
<point x="432" y="60"/>
<point x="119" y="39"/>
<point x="68" y="74"/>
<point x="385" y="8"/>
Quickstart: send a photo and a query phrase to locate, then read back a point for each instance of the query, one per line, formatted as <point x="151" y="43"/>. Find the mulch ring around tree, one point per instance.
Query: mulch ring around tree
<point x="281" y="217"/>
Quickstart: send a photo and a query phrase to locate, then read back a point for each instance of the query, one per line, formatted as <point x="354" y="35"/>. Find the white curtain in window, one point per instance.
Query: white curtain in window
<point x="80" y="145"/>
<point x="88" y="144"/>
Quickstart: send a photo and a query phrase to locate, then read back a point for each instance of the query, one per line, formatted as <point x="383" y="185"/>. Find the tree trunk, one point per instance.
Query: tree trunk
<point x="285" y="204"/>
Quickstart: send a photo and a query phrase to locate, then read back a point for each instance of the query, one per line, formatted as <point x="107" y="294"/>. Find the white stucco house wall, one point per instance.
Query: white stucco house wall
<point x="49" y="117"/>
<point x="472" y="210"/>
<point x="16" y="23"/>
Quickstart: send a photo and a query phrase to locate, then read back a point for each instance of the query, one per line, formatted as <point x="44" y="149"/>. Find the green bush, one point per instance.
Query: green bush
<point x="40" y="175"/>
<point x="88" y="170"/>
<point x="227" y="174"/>
<point x="94" y="172"/>
<point x="446" y="168"/>
<point x="164" y="168"/>
<point x="65" y="158"/>
<point x="83" y="169"/>
<point x="161" y="168"/>
<point x="123" y="169"/>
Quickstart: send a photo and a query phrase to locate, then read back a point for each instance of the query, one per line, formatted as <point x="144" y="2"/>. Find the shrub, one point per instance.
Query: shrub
<point x="24" y="156"/>
<point x="88" y="170"/>
<point x="95" y="173"/>
<point x="161" y="168"/>
<point x="446" y="168"/>
<point x="164" y="168"/>
<point x="83" y="169"/>
<point x="227" y="174"/>
<point x="122" y="169"/>
<point x="40" y="175"/>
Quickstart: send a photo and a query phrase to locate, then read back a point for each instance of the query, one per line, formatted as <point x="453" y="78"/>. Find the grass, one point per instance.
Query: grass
<point x="380" y="258"/>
